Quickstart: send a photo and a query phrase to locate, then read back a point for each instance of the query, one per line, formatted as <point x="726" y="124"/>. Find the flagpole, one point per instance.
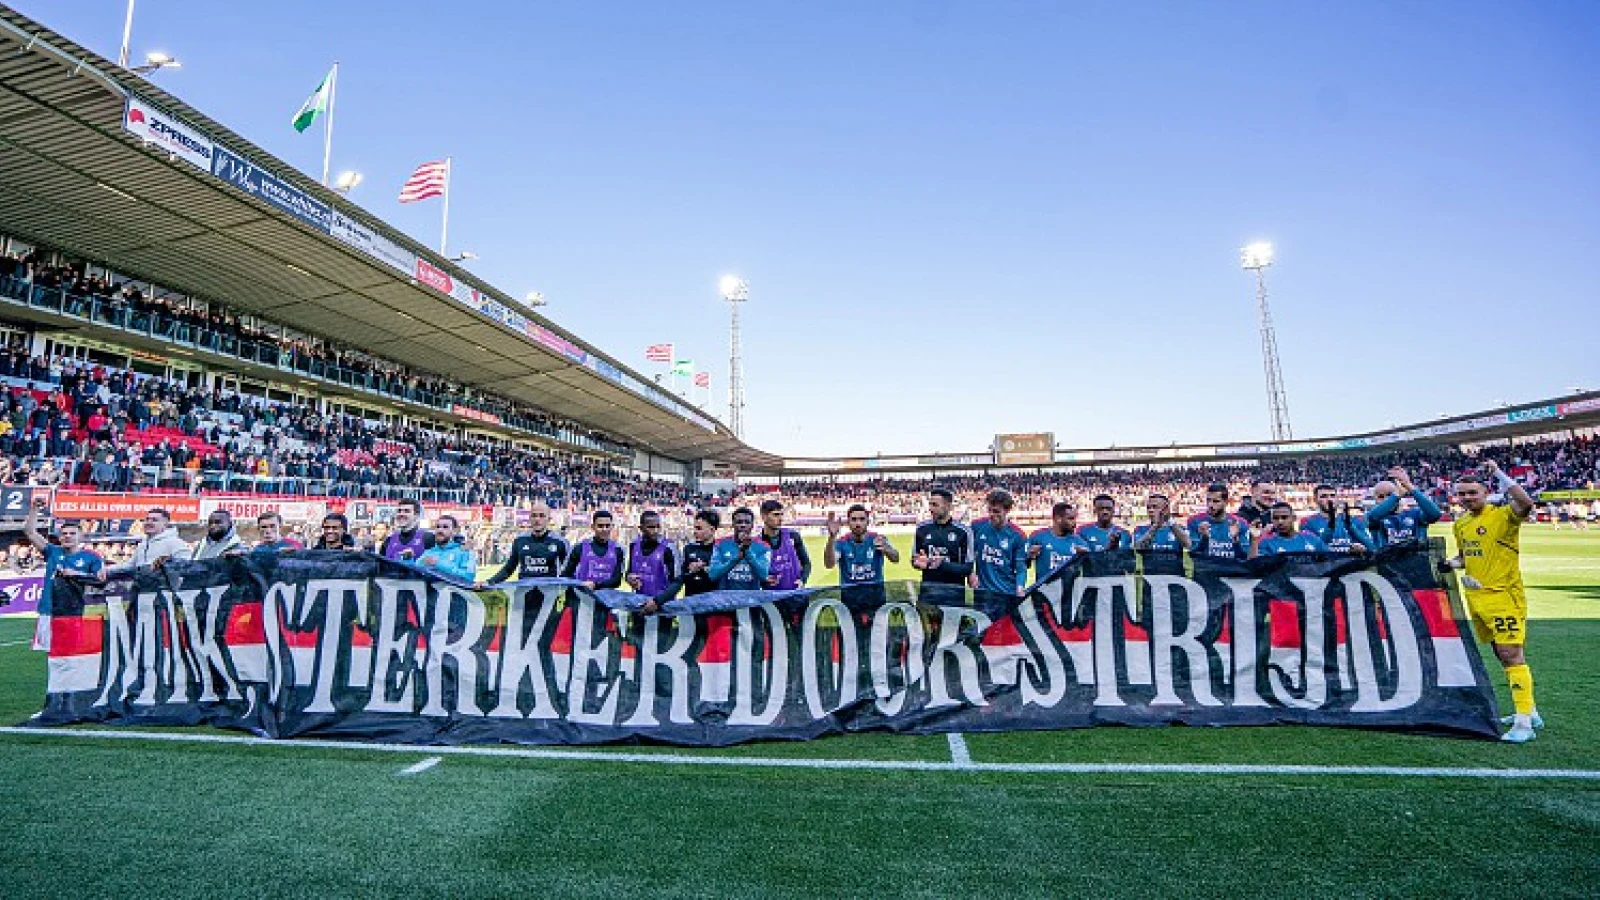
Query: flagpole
<point x="127" y="32"/>
<point x="444" y="228"/>
<point x="327" y="134"/>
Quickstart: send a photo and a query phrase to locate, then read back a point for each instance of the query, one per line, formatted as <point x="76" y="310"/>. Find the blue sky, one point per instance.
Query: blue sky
<point x="965" y="218"/>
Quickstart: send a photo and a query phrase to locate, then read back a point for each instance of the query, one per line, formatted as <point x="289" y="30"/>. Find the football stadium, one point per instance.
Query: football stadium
<point x="330" y="568"/>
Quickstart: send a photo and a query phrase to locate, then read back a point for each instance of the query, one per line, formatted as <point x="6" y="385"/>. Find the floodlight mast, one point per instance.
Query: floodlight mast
<point x="1256" y="258"/>
<point x="736" y="291"/>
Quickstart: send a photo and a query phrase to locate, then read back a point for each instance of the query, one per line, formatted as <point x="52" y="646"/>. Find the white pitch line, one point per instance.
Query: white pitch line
<point x="959" y="754"/>
<point x="15" y="643"/>
<point x="425" y="765"/>
<point x="774" y="762"/>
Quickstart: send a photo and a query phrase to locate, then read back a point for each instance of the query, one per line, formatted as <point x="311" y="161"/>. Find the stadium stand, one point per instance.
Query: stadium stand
<point x="1551" y="464"/>
<point x="68" y="288"/>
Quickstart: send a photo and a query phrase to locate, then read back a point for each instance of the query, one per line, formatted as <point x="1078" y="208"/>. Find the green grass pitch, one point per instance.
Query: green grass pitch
<point x="96" y="817"/>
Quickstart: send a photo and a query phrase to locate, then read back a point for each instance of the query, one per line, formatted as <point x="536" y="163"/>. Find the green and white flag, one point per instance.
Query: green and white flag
<point x="315" y="105"/>
<point x="683" y="367"/>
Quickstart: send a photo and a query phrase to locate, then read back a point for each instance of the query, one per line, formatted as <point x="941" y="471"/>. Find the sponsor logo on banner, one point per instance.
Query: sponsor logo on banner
<point x="156" y="127"/>
<point x="813" y="464"/>
<point x="1127" y="453"/>
<point x="242" y="508"/>
<point x="75" y="505"/>
<point x="605" y="369"/>
<point x="1568" y="496"/>
<point x="244" y="175"/>
<point x="556" y="342"/>
<point x="373" y="244"/>
<point x="464" y="515"/>
<point x="433" y="276"/>
<point x="716" y="468"/>
<point x="1532" y="415"/>
<point x="24" y="591"/>
<point x="477" y="415"/>
<point x="1567" y="409"/>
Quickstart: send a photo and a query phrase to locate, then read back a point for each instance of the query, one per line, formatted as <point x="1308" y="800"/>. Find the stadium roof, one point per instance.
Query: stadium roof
<point x="71" y="177"/>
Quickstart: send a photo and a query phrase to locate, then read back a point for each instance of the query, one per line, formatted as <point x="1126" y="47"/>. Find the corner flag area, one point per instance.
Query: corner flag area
<point x="1105" y="811"/>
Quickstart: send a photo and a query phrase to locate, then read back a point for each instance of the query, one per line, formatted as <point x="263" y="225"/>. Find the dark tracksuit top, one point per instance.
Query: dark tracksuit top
<point x="951" y="545"/>
<point x="534" y="556"/>
<point x="689" y="583"/>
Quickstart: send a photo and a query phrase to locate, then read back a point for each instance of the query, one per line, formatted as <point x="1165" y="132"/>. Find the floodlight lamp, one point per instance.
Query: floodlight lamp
<point x="463" y="256"/>
<point x="347" y="181"/>
<point x="733" y="288"/>
<point x="1256" y="256"/>
<point x="156" y="60"/>
<point x="535" y="299"/>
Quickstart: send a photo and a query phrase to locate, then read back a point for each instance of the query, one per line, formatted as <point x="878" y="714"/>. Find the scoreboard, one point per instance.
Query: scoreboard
<point x="1036" y="448"/>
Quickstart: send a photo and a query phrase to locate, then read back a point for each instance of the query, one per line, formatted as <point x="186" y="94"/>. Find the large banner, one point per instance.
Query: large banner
<point x="350" y="645"/>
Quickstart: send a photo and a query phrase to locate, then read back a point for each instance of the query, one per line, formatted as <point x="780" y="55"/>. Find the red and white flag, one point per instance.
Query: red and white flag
<point x="661" y="353"/>
<point x="431" y="179"/>
<point x="702" y="379"/>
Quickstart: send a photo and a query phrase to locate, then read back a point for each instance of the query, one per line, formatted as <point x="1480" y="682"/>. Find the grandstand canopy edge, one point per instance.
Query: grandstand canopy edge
<point x="72" y="179"/>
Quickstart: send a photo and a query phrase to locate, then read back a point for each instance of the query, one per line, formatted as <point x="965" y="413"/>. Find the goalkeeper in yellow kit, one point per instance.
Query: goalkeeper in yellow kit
<point x="1487" y="541"/>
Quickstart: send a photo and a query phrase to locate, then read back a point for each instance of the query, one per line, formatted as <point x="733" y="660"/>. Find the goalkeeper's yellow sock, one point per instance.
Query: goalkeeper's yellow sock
<point x="1521" y="679"/>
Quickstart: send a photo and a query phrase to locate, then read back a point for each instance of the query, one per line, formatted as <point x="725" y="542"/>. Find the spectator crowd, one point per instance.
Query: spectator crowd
<point x="216" y="327"/>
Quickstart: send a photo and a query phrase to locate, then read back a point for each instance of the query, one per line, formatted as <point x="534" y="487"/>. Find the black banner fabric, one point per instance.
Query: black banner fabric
<point x="353" y="646"/>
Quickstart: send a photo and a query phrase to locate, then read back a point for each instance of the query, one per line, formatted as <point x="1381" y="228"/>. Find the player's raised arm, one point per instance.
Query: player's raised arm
<point x="1521" y="504"/>
<point x="30" y="525"/>
<point x="830" y="553"/>
<point x="1430" y="510"/>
